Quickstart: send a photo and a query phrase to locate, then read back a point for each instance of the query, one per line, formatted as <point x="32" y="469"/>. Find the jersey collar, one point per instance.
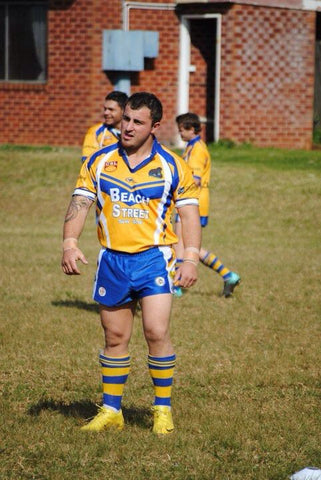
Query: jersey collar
<point x="193" y="141"/>
<point x="114" y="131"/>
<point x="144" y="162"/>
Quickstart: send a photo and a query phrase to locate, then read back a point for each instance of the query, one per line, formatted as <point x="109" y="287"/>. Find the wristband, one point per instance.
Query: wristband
<point x="69" y="243"/>
<point x="191" y="254"/>
<point x="189" y="260"/>
<point x="192" y="249"/>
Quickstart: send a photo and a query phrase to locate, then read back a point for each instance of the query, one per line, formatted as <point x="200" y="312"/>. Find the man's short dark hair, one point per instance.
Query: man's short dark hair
<point x="144" y="99"/>
<point x="189" y="120"/>
<point x="119" y="97"/>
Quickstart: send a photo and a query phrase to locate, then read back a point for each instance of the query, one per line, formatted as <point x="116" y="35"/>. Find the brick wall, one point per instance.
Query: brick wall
<point x="59" y="112"/>
<point x="267" y="76"/>
<point x="46" y="114"/>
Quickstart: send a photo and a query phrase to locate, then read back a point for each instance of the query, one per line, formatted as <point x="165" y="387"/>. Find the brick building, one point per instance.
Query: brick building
<point x="246" y="67"/>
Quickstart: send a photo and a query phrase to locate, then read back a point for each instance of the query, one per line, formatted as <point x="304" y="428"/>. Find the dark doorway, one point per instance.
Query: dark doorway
<point x="202" y="80"/>
<point x="317" y="83"/>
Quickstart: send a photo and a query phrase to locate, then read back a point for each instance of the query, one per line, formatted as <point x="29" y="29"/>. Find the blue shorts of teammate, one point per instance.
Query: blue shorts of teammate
<point x="203" y="220"/>
<point x="122" y="277"/>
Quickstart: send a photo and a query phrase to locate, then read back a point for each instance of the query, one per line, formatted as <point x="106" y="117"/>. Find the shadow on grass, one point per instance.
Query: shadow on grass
<point x="81" y="305"/>
<point x="86" y="409"/>
<point x="200" y="293"/>
<point x="94" y="307"/>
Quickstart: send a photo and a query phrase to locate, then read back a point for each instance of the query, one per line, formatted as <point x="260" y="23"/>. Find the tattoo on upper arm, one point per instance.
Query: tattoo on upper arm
<point x="77" y="203"/>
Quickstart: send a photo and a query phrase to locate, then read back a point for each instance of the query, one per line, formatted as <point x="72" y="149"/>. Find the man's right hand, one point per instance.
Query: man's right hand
<point x="69" y="260"/>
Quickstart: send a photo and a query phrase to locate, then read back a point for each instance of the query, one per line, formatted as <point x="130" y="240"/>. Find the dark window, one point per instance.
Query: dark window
<point x="2" y="39"/>
<point x="23" y="42"/>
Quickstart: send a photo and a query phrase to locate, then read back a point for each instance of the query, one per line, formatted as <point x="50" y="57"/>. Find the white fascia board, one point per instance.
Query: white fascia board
<point x="311" y="4"/>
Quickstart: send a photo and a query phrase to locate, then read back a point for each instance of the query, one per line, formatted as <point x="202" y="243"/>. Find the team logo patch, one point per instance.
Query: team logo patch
<point x="110" y="166"/>
<point x="156" y="172"/>
<point x="102" y="291"/>
<point x="160" y="281"/>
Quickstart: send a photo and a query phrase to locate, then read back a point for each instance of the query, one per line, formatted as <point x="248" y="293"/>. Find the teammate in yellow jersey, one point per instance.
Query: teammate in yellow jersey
<point x="135" y="184"/>
<point x="108" y="132"/>
<point x="197" y="156"/>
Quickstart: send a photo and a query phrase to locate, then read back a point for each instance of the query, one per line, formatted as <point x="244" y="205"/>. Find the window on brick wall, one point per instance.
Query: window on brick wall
<point x="23" y="41"/>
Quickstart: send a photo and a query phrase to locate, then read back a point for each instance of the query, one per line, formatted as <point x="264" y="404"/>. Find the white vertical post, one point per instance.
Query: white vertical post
<point x="184" y="61"/>
<point x="216" y="125"/>
<point x="183" y="71"/>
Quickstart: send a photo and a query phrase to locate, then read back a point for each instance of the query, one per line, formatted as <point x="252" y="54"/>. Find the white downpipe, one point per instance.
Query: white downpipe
<point x="218" y="79"/>
<point x="183" y="67"/>
<point x="127" y="6"/>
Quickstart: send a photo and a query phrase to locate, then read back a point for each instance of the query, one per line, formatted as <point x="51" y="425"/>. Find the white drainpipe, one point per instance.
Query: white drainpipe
<point x="127" y="6"/>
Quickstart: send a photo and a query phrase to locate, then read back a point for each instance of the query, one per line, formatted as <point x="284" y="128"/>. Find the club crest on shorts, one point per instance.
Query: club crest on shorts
<point x="160" y="281"/>
<point x="110" y="166"/>
<point x="102" y="291"/>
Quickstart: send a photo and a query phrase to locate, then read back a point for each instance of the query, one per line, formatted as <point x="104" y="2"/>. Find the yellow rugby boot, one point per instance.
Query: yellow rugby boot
<point x="105" y="418"/>
<point x="163" y="421"/>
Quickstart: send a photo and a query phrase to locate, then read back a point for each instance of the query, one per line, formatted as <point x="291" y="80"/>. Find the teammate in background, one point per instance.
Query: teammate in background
<point x="197" y="156"/>
<point x="103" y="134"/>
<point x="136" y="184"/>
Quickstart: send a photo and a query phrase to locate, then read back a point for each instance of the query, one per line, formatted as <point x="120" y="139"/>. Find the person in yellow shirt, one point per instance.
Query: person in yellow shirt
<point x="197" y="156"/>
<point x="108" y="132"/>
<point x="136" y="184"/>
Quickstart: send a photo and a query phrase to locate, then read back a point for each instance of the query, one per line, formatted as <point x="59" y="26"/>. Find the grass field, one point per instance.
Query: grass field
<point x="247" y="388"/>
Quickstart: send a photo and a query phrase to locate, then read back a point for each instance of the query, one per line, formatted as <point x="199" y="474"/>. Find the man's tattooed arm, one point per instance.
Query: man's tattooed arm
<point x="77" y="205"/>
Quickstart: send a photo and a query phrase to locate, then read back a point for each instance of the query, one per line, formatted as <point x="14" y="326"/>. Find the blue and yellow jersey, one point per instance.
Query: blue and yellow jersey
<point x="98" y="136"/>
<point x="134" y="205"/>
<point x="197" y="157"/>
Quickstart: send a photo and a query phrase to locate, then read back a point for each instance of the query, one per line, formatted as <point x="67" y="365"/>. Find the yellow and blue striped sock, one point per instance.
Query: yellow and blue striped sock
<point x="115" y="371"/>
<point x="212" y="261"/>
<point x="161" y="370"/>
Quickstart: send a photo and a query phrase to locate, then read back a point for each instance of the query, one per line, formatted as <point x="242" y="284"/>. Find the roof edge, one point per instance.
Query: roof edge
<point x="314" y="5"/>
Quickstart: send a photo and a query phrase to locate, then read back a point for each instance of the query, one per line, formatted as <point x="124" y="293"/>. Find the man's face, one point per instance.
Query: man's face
<point x="186" y="134"/>
<point x="136" y="127"/>
<point x="112" y="113"/>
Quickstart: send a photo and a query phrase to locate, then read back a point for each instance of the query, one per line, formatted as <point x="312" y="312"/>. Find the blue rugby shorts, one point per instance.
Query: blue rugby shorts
<point x="122" y="277"/>
<point x="203" y="220"/>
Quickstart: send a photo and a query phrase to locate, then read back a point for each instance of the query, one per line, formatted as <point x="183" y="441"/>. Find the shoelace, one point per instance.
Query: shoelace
<point x="100" y="410"/>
